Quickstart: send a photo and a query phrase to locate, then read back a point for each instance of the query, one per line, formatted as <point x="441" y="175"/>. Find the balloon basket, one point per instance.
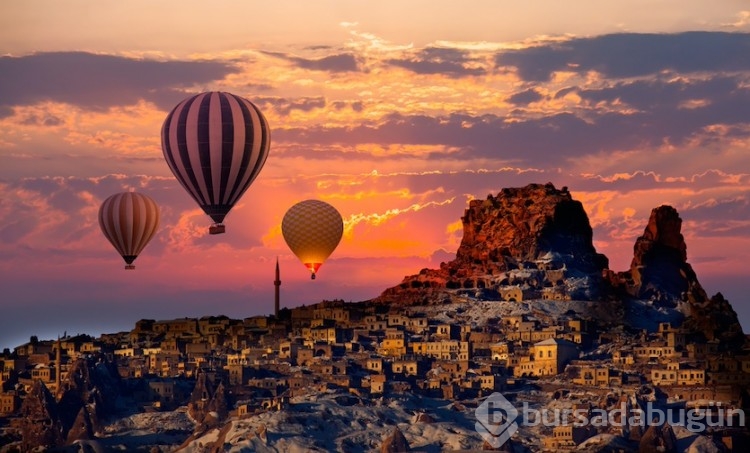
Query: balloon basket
<point x="129" y="267"/>
<point x="216" y="228"/>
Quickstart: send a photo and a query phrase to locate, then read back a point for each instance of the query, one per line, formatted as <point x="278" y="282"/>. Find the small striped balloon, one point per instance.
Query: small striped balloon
<point x="312" y="229"/>
<point x="216" y="144"/>
<point x="129" y="220"/>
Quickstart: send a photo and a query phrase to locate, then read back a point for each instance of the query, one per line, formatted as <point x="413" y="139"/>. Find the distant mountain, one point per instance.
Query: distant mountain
<point x="536" y="242"/>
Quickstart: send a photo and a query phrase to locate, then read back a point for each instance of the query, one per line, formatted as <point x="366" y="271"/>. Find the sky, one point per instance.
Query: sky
<point x="396" y="113"/>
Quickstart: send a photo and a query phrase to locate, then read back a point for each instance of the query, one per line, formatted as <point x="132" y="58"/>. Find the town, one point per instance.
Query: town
<point x="240" y="367"/>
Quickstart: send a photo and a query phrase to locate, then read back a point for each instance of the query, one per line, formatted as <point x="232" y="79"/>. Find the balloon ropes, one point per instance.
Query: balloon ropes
<point x="312" y="229"/>
<point x="129" y="221"/>
<point x="216" y="144"/>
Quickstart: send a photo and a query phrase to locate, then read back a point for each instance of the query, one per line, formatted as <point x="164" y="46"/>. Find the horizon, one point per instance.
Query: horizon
<point x="397" y="122"/>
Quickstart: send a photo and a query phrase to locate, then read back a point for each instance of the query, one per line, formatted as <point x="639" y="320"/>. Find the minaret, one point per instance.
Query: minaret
<point x="277" y="285"/>
<point x="58" y="366"/>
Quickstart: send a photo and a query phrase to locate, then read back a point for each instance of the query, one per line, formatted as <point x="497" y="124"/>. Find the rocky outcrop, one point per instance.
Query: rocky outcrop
<point x="395" y="443"/>
<point x="40" y="420"/>
<point x="219" y="404"/>
<point x="82" y="429"/>
<point x="92" y="385"/>
<point x="200" y="397"/>
<point x="530" y="239"/>
<point x="715" y="319"/>
<point x="507" y="446"/>
<point x="208" y="406"/>
<point x="660" y="272"/>
<point x="658" y="439"/>
<point x="87" y="395"/>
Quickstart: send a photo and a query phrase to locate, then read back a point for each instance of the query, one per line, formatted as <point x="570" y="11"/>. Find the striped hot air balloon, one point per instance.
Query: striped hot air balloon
<point x="215" y="143"/>
<point x="129" y="220"/>
<point x="312" y="229"/>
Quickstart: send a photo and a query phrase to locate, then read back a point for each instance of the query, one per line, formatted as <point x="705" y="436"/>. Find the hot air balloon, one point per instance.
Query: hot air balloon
<point x="215" y="143"/>
<point x="129" y="221"/>
<point x="312" y="229"/>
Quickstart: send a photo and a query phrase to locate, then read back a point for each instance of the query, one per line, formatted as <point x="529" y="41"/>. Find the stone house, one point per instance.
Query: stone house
<point x="547" y="358"/>
<point x="567" y="437"/>
<point x="394" y="343"/>
<point x="9" y="403"/>
<point x="443" y="349"/>
<point x="596" y="376"/>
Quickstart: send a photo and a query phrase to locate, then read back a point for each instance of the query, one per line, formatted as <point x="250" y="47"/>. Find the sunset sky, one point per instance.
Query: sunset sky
<point x="396" y="112"/>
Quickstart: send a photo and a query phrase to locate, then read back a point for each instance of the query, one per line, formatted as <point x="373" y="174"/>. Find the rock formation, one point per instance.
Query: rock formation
<point x="535" y="242"/>
<point x="87" y="395"/>
<point x="715" y="319"/>
<point x="82" y="428"/>
<point x="507" y="446"/>
<point x="658" y="439"/>
<point x="660" y="272"/>
<point x="523" y="243"/>
<point x="395" y="443"/>
<point x="219" y="403"/>
<point x="208" y="405"/>
<point x="200" y="397"/>
<point x="92" y="385"/>
<point x="40" y="425"/>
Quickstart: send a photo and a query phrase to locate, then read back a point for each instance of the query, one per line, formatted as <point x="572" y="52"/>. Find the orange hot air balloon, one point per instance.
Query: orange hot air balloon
<point x="129" y="220"/>
<point x="216" y="144"/>
<point x="312" y="229"/>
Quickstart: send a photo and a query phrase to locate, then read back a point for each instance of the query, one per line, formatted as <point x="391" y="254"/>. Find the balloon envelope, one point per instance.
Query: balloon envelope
<point x="129" y="220"/>
<point x="216" y="144"/>
<point x="312" y="229"/>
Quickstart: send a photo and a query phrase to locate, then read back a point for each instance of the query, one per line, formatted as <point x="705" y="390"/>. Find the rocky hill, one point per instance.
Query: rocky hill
<point x="535" y="242"/>
<point x="525" y="243"/>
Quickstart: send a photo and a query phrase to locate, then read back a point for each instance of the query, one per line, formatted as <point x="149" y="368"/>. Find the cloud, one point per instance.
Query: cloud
<point x="284" y="106"/>
<point x="378" y="218"/>
<point x="743" y="19"/>
<point x="526" y="97"/>
<point x="632" y="55"/>
<point x="100" y="81"/>
<point x="344" y="62"/>
<point x="725" y="214"/>
<point x="552" y="139"/>
<point x="443" y="61"/>
<point x="644" y="114"/>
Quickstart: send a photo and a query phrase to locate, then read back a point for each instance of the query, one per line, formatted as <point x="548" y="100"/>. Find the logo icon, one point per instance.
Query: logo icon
<point x="496" y="420"/>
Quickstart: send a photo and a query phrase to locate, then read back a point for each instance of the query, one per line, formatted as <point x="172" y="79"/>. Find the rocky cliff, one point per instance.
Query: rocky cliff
<point x="528" y="242"/>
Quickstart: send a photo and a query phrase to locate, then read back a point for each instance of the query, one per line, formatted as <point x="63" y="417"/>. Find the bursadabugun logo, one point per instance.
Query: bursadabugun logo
<point x="496" y="420"/>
